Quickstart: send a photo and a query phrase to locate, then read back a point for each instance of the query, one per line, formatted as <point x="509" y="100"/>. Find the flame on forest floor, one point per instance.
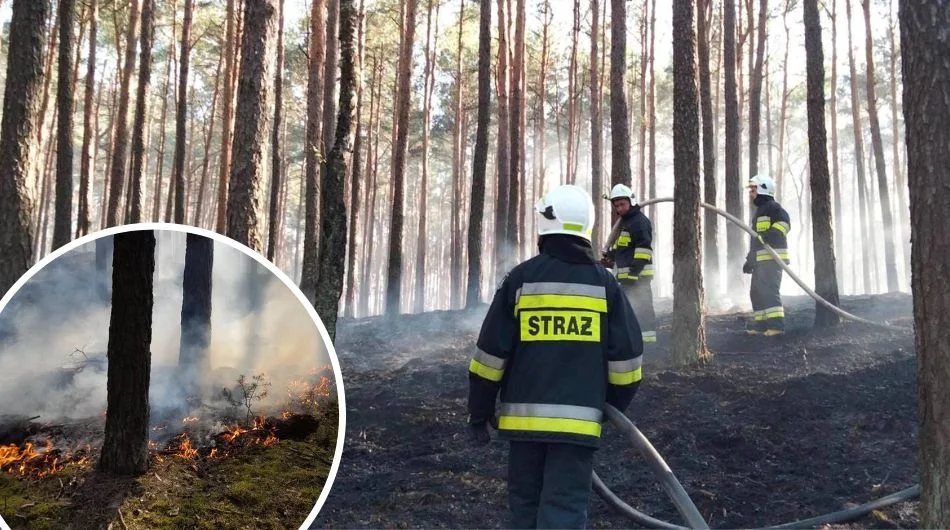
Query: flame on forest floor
<point x="36" y="462"/>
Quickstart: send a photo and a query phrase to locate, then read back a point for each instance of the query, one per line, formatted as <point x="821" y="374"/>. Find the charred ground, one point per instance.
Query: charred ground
<point x="771" y="431"/>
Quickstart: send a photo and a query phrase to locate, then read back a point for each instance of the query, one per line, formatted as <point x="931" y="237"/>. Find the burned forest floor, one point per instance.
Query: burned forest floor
<point x="771" y="430"/>
<point x="254" y="480"/>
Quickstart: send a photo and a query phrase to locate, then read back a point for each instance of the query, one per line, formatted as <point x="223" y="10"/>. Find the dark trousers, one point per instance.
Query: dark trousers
<point x="767" y="309"/>
<point x="549" y="484"/>
<point x="640" y="294"/>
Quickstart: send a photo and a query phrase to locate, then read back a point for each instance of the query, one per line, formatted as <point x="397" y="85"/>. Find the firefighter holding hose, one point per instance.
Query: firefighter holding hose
<point x="559" y="341"/>
<point x="771" y="224"/>
<point x="632" y="253"/>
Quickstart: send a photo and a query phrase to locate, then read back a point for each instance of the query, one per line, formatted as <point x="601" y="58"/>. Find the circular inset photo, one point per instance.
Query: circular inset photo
<point x="163" y="376"/>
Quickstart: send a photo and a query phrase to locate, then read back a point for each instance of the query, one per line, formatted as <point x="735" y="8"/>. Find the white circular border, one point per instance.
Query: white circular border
<point x="331" y="351"/>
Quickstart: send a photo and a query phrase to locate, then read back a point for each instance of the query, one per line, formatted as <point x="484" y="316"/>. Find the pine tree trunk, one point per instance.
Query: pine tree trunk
<point x="710" y="224"/>
<point x="332" y="260"/>
<point x="403" y="93"/>
<point x="427" y="88"/>
<point x="503" y="251"/>
<point x="837" y="213"/>
<point x="121" y="142"/>
<point x="312" y="151"/>
<point x="735" y="241"/>
<point x="276" y="176"/>
<point x="141" y="105"/>
<point x="644" y="93"/>
<point x="651" y="121"/>
<point x="125" y="449"/>
<point x="826" y="280"/>
<point x="890" y="257"/>
<point x="867" y="257"/>
<point x="619" y="128"/>
<point x="596" y="121"/>
<point x="356" y="168"/>
<point x="783" y="111"/>
<point x="182" y="113"/>
<point x="924" y="49"/>
<point x="372" y="170"/>
<point x="21" y="97"/>
<point x="480" y="157"/>
<point x="688" y="336"/>
<point x="901" y="218"/>
<point x="227" y="119"/>
<point x="455" y="262"/>
<point x="250" y="129"/>
<point x="755" y="88"/>
<point x="88" y="157"/>
<point x="203" y="183"/>
<point x="62" y="228"/>
<point x="193" y="361"/>
<point x="516" y="130"/>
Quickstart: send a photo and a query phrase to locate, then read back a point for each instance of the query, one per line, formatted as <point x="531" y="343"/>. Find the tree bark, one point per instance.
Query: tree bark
<point x="837" y="212"/>
<point x="569" y="176"/>
<point x="596" y="120"/>
<point x="902" y="219"/>
<point x="125" y="449"/>
<point x="890" y="253"/>
<point x="87" y="162"/>
<point x="121" y="142"/>
<point x="21" y="97"/>
<point x="403" y="94"/>
<point x="193" y="361"/>
<point x="141" y="105"/>
<point x="427" y="88"/>
<point x="863" y="205"/>
<point x="458" y="149"/>
<point x="159" y="177"/>
<point x="251" y="123"/>
<point x="755" y="89"/>
<point x="644" y="93"/>
<point x="711" y="220"/>
<point x="480" y="156"/>
<point x="502" y="250"/>
<point x="182" y="113"/>
<point x="924" y="50"/>
<point x="227" y="119"/>
<point x="332" y="260"/>
<point x="516" y="129"/>
<point x="689" y="338"/>
<point x="203" y="183"/>
<point x="356" y="187"/>
<point x="276" y="171"/>
<point x="734" y="239"/>
<point x="312" y="151"/>
<point x="783" y="111"/>
<point x="619" y="128"/>
<point x="826" y="280"/>
<point x="62" y="228"/>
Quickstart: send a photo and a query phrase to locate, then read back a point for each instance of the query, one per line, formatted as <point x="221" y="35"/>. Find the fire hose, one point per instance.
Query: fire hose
<point x="671" y="485"/>
<point x="615" y="231"/>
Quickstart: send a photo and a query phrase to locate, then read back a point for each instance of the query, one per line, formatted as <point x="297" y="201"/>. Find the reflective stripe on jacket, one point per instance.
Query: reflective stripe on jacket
<point x="559" y="340"/>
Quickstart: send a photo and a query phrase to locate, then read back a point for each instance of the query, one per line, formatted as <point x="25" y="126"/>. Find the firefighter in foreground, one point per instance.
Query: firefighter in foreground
<point x="771" y="224"/>
<point x="632" y="253"/>
<point x="559" y="340"/>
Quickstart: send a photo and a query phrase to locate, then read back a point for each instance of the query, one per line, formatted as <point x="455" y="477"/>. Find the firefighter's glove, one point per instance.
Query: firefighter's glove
<point x="748" y="268"/>
<point x="478" y="433"/>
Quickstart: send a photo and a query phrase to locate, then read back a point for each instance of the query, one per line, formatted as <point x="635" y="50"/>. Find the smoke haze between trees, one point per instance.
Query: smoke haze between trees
<point x="54" y="332"/>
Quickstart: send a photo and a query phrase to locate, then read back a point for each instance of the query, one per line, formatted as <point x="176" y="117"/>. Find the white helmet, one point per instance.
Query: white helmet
<point x="764" y="185"/>
<point x="622" y="191"/>
<point x="566" y="209"/>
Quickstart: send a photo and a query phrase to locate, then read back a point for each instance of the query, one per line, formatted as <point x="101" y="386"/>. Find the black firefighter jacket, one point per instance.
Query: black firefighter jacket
<point x="632" y="252"/>
<point x="771" y="224"/>
<point x="559" y="340"/>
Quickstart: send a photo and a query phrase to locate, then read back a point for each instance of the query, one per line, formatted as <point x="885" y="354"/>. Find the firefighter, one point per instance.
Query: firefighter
<point x="559" y="341"/>
<point x="771" y="224"/>
<point x="632" y="253"/>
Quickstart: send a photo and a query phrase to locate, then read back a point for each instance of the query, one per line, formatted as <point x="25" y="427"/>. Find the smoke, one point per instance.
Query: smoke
<point x="54" y="335"/>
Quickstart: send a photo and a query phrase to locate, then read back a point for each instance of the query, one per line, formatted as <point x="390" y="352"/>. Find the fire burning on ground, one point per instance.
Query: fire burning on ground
<point x="30" y="461"/>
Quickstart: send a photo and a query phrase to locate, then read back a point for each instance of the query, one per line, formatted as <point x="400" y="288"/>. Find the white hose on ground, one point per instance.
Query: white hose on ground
<point x="738" y="222"/>
<point x="687" y="508"/>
